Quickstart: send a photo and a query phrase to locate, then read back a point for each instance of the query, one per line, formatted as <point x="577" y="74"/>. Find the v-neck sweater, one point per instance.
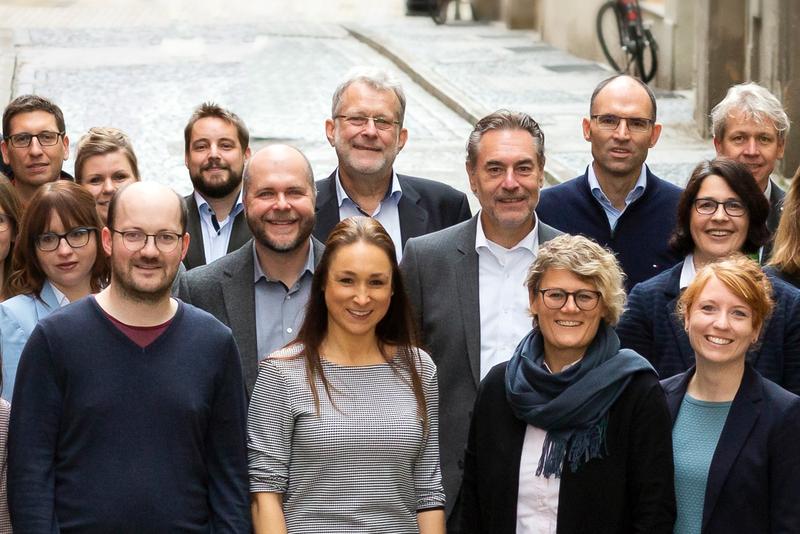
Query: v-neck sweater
<point x="106" y="436"/>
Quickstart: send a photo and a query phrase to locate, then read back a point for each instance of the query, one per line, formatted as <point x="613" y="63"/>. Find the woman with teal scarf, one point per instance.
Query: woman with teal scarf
<point x="572" y="435"/>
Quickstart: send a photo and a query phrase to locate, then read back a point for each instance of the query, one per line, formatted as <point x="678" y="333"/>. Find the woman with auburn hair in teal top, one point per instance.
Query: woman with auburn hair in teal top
<point x="734" y="432"/>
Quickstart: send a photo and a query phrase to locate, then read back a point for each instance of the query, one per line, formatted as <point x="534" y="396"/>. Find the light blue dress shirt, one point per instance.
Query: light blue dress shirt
<point x="613" y="213"/>
<point x="216" y="234"/>
<point x="387" y="213"/>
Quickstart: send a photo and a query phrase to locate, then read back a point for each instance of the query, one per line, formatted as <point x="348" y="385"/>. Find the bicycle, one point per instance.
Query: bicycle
<point x="627" y="44"/>
<point x="441" y="10"/>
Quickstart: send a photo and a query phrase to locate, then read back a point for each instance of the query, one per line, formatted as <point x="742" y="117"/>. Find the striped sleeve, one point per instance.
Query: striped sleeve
<point x="270" y="424"/>
<point x="427" y="472"/>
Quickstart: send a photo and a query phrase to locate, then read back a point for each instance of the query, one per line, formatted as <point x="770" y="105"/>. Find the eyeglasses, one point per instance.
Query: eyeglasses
<point x="611" y="122"/>
<point x="359" y="121"/>
<point x="23" y="140"/>
<point x="6" y="222"/>
<point x="76" y="238"/>
<point x="709" y="206"/>
<point x="555" y="298"/>
<point x="136" y="240"/>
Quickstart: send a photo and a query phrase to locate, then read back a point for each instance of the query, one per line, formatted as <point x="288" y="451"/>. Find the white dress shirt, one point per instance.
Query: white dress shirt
<point x="387" y="212"/>
<point x="503" y="298"/>
<point x="216" y="238"/>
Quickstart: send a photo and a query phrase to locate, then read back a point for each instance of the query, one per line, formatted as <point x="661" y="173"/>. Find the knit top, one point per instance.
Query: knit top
<point x="365" y="465"/>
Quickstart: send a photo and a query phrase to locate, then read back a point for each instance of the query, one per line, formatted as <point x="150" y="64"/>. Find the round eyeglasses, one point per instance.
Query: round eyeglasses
<point x="75" y="238"/>
<point x="709" y="206"/>
<point x="555" y="298"/>
<point x="136" y="240"/>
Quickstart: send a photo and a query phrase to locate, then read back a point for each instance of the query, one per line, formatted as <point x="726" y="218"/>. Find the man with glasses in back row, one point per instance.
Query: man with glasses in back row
<point x="35" y="144"/>
<point x="618" y="202"/>
<point x="366" y="130"/>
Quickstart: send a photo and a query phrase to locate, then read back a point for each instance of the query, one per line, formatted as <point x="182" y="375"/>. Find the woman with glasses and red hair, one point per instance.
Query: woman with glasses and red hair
<point x="57" y="260"/>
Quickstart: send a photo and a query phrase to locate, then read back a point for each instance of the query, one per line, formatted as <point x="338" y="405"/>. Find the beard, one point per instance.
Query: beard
<point x="133" y="291"/>
<point x="216" y="189"/>
<point x="262" y="237"/>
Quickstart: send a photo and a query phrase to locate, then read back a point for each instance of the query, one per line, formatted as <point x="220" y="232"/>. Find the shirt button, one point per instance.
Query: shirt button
<point x="288" y="297"/>
<point x="289" y="330"/>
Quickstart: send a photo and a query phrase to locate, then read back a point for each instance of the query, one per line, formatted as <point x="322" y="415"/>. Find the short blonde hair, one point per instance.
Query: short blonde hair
<point x="743" y="277"/>
<point x="588" y="261"/>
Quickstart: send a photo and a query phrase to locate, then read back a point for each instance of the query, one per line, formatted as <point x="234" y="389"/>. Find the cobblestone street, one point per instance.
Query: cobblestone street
<point x="143" y="66"/>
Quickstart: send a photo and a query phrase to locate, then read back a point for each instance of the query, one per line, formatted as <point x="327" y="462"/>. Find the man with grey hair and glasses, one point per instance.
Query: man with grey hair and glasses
<point x="366" y="130"/>
<point x="466" y="283"/>
<point x="750" y="126"/>
<point x="618" y="201"/>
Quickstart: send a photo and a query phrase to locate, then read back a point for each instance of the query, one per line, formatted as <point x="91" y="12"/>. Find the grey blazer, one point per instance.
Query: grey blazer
<point x="196" y="255"/>
<point x="224" y="289"/>
<point x="440" y="271"/>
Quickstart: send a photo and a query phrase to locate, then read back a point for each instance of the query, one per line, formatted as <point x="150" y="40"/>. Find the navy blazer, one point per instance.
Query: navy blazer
<point x="651" y="327"/>
<point x="629" y="490"/>
<point x="425" y="206"/>
<point x="754" y="477"/>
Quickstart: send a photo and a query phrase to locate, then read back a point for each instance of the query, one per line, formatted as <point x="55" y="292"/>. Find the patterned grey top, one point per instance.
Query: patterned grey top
<point x="366" y="468"/>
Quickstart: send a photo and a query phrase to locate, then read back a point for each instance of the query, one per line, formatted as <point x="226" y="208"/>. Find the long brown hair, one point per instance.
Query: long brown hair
<point x="786" y="248"/>
<point x="75" y="207"/>
<point x="10" y="206"/>
<point x="395" y="329"/>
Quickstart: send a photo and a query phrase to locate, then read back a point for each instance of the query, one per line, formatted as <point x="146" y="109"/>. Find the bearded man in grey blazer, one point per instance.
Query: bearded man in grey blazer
<point x="260" y="290"/>
<point x="466" y="282"/>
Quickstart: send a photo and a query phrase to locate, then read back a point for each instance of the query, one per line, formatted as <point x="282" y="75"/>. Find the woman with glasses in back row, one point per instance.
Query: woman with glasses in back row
<point x="722" y="211"/>
<point x="57" y="260"/>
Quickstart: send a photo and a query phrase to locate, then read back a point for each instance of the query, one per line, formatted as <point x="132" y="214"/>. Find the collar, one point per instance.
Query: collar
<point x="202" y="204"/>
<point x="768" y="190"/>
<point x="393" y="191"/>
<point x="61" y="298"/>
<point x="258" y="272"/>
<point x="688" y="271"/>
<point x="529" y="242"/>
<point x="636" y="192"/>
<point x="547" y="367"/>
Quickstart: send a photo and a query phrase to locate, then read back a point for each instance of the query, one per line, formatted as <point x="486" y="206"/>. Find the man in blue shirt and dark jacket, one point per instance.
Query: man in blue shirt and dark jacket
<point x="618" y="202"/>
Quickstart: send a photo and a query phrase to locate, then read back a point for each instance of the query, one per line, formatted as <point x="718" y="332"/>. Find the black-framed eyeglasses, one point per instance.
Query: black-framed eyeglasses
<point x="6" y="222"/>
<point x="136" y="240"/>
<point x="75" y="238"/>
<point x="23" y="139"/>
<point x="611" y="122"/>
<point x="359" y="121"/>
<point x="555" y="298"/>
<point x="709" y="206"/>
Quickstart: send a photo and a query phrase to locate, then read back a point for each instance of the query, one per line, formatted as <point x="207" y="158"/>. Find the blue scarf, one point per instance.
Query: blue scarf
<point x="572" y="406"/>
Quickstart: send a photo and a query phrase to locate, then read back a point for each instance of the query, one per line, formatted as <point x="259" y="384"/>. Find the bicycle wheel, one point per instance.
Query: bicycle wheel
<point x="612" y="33"/>
<point x="647" y="58"/>
<point x="438" y="10"/>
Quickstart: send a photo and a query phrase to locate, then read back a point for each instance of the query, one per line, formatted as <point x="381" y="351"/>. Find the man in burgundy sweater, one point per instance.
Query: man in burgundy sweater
<point x="129" y="409"/>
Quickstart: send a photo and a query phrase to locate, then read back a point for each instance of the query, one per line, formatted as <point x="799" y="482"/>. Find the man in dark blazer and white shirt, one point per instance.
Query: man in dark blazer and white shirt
<point x="751" y="126"/>
<point x="366" y="130"/>
<point x="466" y="283"/>
<point x="216" y="148"/>
<point x="260" y="290"/>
